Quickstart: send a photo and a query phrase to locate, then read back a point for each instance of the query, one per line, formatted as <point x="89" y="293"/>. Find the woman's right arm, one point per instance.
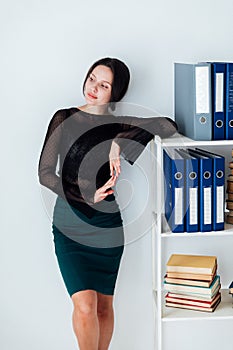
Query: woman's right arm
<point x="49" y="154"/>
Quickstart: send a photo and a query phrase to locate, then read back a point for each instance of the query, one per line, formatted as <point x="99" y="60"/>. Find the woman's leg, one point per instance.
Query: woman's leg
<point x="85" y="320"/>
<point x="106" y="320"/>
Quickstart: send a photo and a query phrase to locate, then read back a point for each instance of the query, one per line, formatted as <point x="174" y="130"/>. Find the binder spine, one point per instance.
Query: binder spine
<point x="229" y="101"/>
<point x="218" y="74"/>
<point x="219" y="195"/>
<point x="203" y="102"/>
<point x="167" y="187"/>
<point x="177" y="166"/>
<point x="193" y="100"/>
<point x="174" y="196"/>
<point x="192" y="195"/>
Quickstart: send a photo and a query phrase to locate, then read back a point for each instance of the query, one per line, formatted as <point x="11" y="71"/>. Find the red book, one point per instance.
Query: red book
<point x="193" y="305"/>
<point x="191" y="301"/>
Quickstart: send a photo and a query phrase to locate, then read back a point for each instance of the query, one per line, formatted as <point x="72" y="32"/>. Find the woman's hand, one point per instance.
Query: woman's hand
<point x="114" y="159"/>
<point x="105" y="190"/>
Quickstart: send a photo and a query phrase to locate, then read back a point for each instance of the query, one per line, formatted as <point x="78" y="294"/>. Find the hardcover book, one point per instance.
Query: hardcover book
<point x="200" y="264"/>
<point x="193" y="276"/>
<point x="188" y="282"/>
<point x="201" y="297"/>
<point x="181" y="288"/>
<point x="191" y="301"/>
<point x="192" y="307"/>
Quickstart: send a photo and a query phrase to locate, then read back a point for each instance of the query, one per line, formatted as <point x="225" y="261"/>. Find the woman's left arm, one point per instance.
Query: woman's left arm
<point x="144" y="129"/>
<point x="140" y="131"/>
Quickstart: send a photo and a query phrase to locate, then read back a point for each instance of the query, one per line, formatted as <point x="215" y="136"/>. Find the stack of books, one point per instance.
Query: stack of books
<point x="192" y="282"/>
<point x="229" y="201"/>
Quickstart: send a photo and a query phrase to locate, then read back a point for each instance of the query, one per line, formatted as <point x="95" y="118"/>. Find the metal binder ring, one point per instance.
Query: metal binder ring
<point x="192" y="175"/>
<point x="219" y="174"/>
<point x="207" y="175"/>
<point x="219" y="123"/>
<point x="178" y="175"/>
<point x="231" y="123"/>
<point x="202" y="119"/>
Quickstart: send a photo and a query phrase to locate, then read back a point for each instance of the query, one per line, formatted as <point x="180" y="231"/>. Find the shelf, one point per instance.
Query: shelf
<point x="223" y="311"/>
<point x="198" y="234"/>
<point x="181" y="141"/>
<point x="162" y="246"/>
<point x="166" y="232"/>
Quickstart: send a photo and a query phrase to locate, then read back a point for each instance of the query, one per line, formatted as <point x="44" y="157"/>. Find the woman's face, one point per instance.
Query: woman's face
<point x="98" y="87"/>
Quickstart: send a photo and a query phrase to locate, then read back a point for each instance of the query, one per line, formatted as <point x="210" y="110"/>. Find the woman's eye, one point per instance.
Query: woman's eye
<point x="90" y="78"/>
<point x="104" y="86"/>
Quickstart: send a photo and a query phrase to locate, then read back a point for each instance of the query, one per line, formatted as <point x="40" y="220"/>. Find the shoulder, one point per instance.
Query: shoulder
<point x="62" y="114"/>
<point x="57" y="119"/>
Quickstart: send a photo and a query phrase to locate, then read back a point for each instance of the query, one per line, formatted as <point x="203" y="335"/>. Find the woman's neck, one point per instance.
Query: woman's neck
<point x="102" y="109"/>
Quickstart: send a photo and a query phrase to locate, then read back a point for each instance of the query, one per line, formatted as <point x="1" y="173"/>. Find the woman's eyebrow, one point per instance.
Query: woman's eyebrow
<point x="105" y="81"/>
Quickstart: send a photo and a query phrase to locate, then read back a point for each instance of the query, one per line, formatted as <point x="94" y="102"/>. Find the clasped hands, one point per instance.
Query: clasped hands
<point x="114" y="161"/>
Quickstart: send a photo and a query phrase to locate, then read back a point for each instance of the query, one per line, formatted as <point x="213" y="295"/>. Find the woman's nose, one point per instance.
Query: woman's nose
<point x="94" y="87"/>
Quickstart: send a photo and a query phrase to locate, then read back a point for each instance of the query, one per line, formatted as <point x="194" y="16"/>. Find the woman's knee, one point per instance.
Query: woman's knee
<point x="85" y="303"/>
<point x="104" y="305"/>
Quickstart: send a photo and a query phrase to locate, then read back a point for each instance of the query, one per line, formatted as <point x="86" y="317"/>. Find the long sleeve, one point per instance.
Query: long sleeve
<point x="141" y="131"/>
<point x="50" y="153"/>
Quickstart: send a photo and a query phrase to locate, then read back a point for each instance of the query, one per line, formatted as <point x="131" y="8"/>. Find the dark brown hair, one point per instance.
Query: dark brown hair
<point x="121" y="76"/>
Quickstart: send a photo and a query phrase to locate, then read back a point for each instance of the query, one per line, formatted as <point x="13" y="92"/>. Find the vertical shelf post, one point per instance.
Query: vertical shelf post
<point x="156" y="237"/>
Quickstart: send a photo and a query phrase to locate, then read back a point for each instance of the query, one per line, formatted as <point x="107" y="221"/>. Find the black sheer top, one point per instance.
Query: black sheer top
<point x="81" y="142"/>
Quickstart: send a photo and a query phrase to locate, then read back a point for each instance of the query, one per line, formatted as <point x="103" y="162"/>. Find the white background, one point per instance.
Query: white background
<point x="46" y="49"/>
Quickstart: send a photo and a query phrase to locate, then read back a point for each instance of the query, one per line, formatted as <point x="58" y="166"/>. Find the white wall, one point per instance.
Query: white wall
<point x="46" y="48"/>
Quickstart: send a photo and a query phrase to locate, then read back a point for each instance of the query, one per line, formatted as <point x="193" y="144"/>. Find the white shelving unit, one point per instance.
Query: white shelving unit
<point x="164" y="243"/>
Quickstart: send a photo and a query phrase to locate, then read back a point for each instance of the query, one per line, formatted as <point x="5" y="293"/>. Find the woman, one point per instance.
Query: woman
<point x="87" y="224"/>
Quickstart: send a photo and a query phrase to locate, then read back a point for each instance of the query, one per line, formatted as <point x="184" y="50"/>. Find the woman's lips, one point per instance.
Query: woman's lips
<point x="92" y="96"/>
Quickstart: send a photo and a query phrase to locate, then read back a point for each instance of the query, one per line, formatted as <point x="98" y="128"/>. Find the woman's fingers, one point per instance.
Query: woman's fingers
<point x="114" y="158"/>
<point x="105" y="190"/>
<point x="106" y="187"/>
<point x="111" y="168"/>
<point x="105" y="194"/>
<point x="115" y="165"/>
<point x="109" y="183"/>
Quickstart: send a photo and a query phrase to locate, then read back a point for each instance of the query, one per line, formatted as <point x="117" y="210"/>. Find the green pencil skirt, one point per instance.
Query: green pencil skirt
<point x="88" y="250"/>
